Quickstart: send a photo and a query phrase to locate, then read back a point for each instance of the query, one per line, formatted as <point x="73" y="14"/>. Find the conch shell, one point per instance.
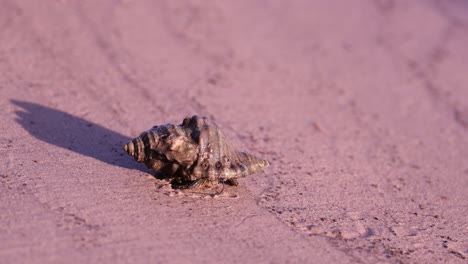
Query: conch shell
<point x="192" y="152"/>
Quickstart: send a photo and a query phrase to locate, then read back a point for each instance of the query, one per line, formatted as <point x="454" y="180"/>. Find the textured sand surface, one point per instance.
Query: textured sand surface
<point x="360" y="106"/>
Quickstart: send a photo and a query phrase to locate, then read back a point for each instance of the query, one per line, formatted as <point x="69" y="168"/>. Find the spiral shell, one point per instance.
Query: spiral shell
<point x="192" y="151"/>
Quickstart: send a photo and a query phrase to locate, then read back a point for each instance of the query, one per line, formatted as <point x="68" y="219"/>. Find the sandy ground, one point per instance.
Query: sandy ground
<point x="361" y="107"/>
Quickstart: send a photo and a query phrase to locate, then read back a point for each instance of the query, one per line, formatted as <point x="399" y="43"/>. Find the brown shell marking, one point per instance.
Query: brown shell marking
<point x="191" y="151"/>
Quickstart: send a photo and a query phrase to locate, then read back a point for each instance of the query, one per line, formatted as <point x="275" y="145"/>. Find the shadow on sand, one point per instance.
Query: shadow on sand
<point x="76" y="134"/>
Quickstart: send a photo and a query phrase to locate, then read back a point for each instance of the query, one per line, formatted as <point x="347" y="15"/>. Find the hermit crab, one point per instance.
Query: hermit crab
<point x="194" y="153"/>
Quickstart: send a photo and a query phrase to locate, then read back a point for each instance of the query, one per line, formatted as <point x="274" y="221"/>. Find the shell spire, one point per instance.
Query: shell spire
<point x="192" y="151"/>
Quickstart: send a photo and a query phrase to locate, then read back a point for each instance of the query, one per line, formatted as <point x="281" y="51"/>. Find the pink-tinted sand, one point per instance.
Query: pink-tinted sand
<point x="360" y="106"/>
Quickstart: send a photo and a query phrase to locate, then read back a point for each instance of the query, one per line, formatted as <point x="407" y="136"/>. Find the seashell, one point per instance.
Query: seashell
<point x="191" y="152"/>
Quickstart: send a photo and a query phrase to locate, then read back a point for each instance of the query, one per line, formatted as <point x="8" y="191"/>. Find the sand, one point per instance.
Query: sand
<point x="360" y="106"/>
